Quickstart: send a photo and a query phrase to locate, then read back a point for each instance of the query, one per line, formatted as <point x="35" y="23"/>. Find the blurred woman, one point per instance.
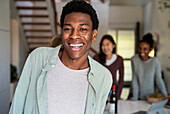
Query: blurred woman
<point x="146" y="71"/>
<point x="108" y="58"/>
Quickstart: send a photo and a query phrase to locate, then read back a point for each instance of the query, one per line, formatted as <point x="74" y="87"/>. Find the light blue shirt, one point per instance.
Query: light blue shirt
<point x="31" y="92"/>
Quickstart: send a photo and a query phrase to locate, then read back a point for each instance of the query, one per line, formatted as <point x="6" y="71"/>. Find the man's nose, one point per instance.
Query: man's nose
<point x="75" y="34"/>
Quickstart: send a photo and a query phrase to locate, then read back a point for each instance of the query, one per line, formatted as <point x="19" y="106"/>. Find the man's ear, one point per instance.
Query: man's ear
<point x="94" y="35"/>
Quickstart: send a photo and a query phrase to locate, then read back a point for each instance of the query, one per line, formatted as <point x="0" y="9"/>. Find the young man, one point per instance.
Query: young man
<point x="65" y="81"/>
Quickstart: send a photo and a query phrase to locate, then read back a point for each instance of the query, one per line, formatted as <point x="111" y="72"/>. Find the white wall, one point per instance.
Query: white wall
<point x="14" y="43"/>
<point x="125" y="14"/>
<point x="4" y="56"/>
<point x="125" y="17"/>
<point x="147" y="17"/>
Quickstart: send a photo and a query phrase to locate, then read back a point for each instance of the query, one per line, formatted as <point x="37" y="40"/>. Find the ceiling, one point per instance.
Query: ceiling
<point x="119" y="2"/>
<point x="129" y="2"/>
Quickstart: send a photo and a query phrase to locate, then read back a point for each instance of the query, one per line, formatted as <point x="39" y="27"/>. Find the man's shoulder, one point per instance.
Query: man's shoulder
<point x="97" y="65"/>
<point x="99" y="69"/>
<point x="41" y="50"/>
<point x="44" y="51"/>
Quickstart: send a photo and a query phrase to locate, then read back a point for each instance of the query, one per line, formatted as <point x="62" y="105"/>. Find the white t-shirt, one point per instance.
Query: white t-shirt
<point x="67" y="90"/>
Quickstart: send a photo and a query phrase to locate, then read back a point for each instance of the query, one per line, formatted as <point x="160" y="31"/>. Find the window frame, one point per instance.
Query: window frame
<point x="126" y="83"/>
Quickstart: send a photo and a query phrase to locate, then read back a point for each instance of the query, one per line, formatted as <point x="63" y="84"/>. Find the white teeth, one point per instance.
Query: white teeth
<point x="76" y="45"/>
<point x="142" y="54"/>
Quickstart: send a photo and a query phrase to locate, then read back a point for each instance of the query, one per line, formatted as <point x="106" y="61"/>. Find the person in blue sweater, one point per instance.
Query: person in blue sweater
<point x="146" y="71"/>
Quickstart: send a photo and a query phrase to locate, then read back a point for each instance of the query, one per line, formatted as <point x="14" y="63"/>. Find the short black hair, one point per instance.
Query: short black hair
<point x="148" y="38"/>
<point x="80" y="6"/>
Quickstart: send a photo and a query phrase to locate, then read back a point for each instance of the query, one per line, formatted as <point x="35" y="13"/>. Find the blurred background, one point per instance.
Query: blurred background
<point x="28" y="24"/>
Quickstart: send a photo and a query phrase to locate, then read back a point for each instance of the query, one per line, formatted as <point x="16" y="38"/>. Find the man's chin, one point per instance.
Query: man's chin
<point x="75" y="57"/>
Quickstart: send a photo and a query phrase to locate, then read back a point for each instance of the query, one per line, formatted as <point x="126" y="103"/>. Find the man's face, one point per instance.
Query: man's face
<point x="77" y="34"/>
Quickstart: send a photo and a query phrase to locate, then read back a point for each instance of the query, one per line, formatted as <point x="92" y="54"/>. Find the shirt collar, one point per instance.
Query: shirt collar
<point x="53" y="55"/>
<point x="52" y="58"/>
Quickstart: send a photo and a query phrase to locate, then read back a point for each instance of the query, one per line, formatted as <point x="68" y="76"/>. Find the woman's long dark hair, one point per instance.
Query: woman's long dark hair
<point x="102" y="56"/>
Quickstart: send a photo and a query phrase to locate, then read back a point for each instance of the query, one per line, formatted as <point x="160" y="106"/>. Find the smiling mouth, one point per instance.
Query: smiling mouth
<point x="142" y="54"/>
<point x="76" y="46"/>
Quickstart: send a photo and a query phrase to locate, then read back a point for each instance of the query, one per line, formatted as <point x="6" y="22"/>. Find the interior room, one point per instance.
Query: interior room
<point x="28" y="24"/>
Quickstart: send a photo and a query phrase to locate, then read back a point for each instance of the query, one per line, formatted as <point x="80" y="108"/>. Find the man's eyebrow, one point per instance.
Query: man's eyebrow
<point x="79" y="24"/>
<point x="84" y="24"/>
<point x="67" y="24"/>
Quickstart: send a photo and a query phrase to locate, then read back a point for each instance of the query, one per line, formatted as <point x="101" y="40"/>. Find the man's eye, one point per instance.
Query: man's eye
<point x="67" y="29"/>
<point x="83" y="29"/>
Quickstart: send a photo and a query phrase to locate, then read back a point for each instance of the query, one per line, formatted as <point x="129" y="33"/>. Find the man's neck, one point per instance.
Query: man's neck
<point x="76" y="64"/>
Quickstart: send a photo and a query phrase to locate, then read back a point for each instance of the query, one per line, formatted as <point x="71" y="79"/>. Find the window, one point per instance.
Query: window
<point x="152" y="53"/>
<point x="125" y="40"/>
